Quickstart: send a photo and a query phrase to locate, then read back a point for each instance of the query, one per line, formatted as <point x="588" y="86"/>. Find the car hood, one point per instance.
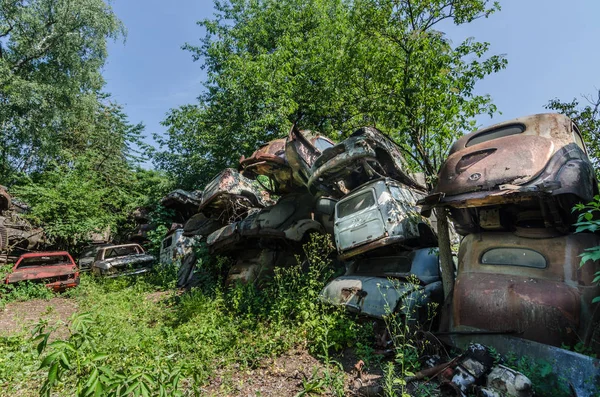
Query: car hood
<point x="41" y="272"/>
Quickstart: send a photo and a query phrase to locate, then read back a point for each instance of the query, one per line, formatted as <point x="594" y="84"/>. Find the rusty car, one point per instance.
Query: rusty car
<point x="381" y="214"/>
<point x="365" y="155"/>
<point x="229" y="196"/>
<point x="57" y="270"/>
<point x="184" y="203"/>
<point x="88" y="255"/>
<point x="536" y="164"/>
<point x="122" y="260"/>
<point x="529" y="287"/>
<point x="270" y="161"/>
<point x="406" y="283"/>
<point x="302" y="149"/>
<point x="288" y="222"/>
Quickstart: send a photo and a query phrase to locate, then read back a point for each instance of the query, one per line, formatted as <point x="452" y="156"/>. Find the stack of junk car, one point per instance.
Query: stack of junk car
<point x="510" y="190"/>
<point x="17" y="235"/>
<point x="229" y="197"/>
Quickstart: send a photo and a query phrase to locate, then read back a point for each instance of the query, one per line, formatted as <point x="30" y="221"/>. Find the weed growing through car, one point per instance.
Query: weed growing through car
<point x="403" y="321"/>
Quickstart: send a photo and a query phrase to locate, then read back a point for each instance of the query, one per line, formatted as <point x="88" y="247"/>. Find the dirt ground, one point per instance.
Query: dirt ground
<point x="17" y="317"/>
<point x="290" y="375"/>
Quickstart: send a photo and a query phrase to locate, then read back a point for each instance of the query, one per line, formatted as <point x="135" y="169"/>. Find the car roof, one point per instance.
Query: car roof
<point x="48" y="253"/>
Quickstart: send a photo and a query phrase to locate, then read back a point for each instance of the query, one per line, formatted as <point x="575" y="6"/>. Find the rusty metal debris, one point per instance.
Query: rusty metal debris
<point x="270" y="161"/>
<point x="367" y="154"/>
<point x="57" y="270"/>
<point x="302" y="149"/>
<point x="229" y="197"/>
<point x="17" y="234"/>
<point x="184" y="203"/>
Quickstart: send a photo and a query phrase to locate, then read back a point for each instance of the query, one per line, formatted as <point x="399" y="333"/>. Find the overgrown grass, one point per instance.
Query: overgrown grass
<point x="139" y="336"/>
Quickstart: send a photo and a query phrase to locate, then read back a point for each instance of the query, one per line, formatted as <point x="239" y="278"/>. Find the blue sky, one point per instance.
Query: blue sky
<point x="551" y="47"/>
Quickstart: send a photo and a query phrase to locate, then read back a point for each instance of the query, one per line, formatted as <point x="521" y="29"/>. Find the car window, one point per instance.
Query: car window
<point x="44" y="261"/>
<point x="401" y="195"/>
<point x="514" y="257"/>
<point x="355" y="204"/>
<point x="501" y="132"/>
<point x="120" y="251"/>
<point x="322" y="144"/>
<point x="168" y="242"/>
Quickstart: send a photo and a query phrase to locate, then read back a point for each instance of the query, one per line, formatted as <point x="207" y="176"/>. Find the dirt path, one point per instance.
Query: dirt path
<point x="294" y="373"/>
<point x="19" y="316"/>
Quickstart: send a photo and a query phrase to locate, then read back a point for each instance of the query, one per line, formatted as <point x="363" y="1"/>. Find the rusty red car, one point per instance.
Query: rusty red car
<point x="57" y="270"/>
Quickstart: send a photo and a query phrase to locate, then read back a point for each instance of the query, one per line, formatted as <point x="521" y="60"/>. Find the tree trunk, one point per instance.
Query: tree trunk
<point x="445" y="252"/>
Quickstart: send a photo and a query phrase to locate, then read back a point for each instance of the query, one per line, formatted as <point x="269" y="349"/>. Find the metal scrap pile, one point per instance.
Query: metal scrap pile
<point x="17" y="235"/>
<point x="509" y="190"/>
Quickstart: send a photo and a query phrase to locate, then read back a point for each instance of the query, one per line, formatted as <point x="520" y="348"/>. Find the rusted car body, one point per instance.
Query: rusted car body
<point x="533" y="287"/>
<point x="88" y="255"/>
<point x="270" y="160"/>
<point x="289" y="221"/>
<point x="365" y="155"/>
<point x="201" y="226"/>
<point x="382" y="213"/>
<point x="257" y="265"/>
<point x="183" y="202"/>
<point x="378" y="286"/>
<point x="57" y="270"/>
<point x="534" y="163"/>
<point x="122" y="260"/>
<point x="5" y="200"/>
<point x="302" y="149"/>
<point x="229" y="196"/>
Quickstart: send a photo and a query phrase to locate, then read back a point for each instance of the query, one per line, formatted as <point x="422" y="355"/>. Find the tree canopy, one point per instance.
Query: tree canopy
<point x="329" y="66"/>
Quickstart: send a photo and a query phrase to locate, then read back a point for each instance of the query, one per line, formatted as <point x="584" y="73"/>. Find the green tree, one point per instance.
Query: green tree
<point x="51" y="52"/>
<point x="587" y="118"/>
<point x="332" y="66"/>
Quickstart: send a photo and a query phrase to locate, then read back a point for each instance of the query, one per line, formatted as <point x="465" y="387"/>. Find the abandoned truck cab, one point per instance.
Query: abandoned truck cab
<point x="379" y="214"/>
<point x="531" y="287"/>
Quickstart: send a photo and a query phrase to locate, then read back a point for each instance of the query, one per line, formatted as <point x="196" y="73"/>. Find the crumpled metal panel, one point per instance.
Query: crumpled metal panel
<point x="182" y="201"/>
<point x="283" y="221"/>
<point x="200" y="225"/>
<point x="302" y="149"/>
<point x="230" y="195"/>
<point x="551" y="305"/>
<point x="367" y="154"/>
<point x="270" y="160"/>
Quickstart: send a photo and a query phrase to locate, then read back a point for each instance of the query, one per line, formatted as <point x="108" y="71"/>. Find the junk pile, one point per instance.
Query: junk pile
<point x="509" y="190"/>
<point x="17" y="235"/>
